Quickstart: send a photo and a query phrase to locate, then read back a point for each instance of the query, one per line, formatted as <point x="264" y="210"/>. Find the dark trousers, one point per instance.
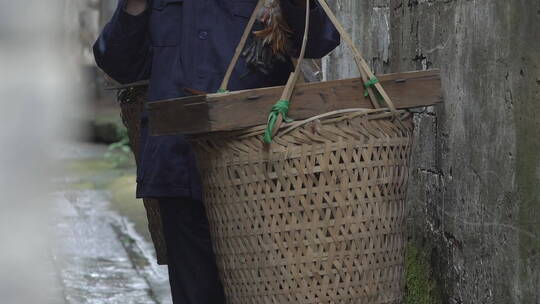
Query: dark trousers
<point x="193" y="272"/>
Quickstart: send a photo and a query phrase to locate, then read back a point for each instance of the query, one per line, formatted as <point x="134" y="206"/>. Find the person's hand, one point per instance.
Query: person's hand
<point x="135" y="7"/>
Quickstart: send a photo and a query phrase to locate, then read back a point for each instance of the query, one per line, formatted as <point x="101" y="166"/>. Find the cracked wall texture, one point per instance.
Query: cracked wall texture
<point x="474" y="194"/>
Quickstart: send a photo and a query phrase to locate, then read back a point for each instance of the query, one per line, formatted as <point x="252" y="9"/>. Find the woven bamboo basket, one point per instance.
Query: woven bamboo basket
<point x="317" y="216"/>
<point x="131" y="102"/>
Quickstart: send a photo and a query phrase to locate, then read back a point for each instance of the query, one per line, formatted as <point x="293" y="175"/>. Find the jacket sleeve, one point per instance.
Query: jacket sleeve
<point x="123" y="49"/>
<point x="323" y="36"/>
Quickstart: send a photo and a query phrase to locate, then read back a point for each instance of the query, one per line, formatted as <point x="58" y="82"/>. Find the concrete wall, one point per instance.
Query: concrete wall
<point x="474" y="197"/>
<point x="81" y="20"/>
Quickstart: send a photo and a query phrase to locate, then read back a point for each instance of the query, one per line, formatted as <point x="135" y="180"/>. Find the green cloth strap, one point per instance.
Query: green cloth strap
<point x="222" y="91"/>
<point x="370" y="83"/>
<point x="281" y="107"/>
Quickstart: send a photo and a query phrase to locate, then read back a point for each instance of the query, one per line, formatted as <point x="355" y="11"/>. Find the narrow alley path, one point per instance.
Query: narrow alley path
<point x="98" y="255"/>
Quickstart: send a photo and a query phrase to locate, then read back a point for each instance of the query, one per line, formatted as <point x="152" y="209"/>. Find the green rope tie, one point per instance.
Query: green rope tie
<point x="370" y="83"/>
<point x="281" y="107"/>
<point x="222" y="91"/>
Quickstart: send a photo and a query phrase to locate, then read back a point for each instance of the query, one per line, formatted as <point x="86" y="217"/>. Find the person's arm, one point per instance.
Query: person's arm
<point x="323" y="37"/>
<point x="123" y="49"/>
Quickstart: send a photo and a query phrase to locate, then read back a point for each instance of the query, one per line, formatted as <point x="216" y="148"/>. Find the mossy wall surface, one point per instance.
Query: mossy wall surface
<point x="421" y="287"/>
<point x="474" y="194"/>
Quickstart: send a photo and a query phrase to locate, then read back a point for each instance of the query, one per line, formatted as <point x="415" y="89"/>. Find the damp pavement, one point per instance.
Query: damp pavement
<point x="101" y="252"/>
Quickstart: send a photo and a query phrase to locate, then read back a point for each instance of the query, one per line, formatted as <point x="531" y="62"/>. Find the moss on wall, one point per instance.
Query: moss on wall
<point x="420" y="286"/>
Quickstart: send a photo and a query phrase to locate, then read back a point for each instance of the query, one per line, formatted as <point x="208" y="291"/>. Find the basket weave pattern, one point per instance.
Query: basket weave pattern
<point x="317" y="217"/>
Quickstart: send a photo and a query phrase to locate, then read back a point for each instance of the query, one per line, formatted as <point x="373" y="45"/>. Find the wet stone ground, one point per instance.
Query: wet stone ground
<point x="101" y="251"/>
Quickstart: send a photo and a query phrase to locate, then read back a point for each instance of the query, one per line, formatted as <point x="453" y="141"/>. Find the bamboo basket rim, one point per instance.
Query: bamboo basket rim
<point x="325" y="118"/>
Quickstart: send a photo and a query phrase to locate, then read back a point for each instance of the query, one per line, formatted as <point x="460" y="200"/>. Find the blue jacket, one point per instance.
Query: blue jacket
<point x="189" y="43"/>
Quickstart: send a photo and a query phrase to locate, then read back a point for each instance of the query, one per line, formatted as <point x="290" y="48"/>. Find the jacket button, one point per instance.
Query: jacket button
<point x="203" y="35"/>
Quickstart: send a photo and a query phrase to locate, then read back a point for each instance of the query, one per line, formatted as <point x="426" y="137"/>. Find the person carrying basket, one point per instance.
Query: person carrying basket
<point x="182" y="47"/>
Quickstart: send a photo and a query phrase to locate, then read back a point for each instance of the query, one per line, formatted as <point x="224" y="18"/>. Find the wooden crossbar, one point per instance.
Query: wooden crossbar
<point x="248" y="108"/>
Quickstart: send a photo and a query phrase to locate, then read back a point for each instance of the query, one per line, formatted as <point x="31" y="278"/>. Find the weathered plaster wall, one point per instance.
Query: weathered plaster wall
<point x="474" y="196"/>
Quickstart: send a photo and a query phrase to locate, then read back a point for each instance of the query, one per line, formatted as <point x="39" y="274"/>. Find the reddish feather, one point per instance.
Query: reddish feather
<point x="277" y="32"/>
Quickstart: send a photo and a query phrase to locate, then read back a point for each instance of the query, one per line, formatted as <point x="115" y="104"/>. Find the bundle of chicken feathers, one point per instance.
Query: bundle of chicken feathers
<point x="276" y="32"/>
<point x="270" y="43"/>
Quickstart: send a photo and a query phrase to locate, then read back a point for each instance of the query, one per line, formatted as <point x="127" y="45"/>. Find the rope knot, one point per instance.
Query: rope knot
<point x="370" y="83"/>
<point x="280" y="108"/>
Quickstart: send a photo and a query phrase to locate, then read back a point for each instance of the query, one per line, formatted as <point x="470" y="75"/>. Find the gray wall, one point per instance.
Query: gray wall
<point x="474" y="196"/>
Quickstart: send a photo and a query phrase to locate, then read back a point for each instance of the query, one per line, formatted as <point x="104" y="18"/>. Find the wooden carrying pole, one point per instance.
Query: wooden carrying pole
<point x="216" y="112"/>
